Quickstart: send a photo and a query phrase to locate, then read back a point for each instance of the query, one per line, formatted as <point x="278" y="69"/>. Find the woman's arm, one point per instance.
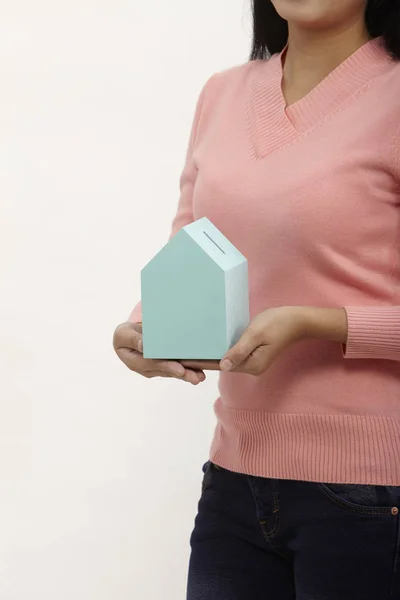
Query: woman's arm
<point x="325" y="323"/>
<point x="364" y="332"/>
<point x="373" y="332"/>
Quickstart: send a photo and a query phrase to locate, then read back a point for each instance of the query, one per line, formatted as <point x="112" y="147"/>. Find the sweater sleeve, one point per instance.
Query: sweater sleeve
<point x="184" y="213"/>
<point x="373" y="332"/>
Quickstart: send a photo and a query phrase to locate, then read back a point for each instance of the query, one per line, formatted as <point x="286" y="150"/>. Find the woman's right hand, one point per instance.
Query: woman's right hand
<point x="128" y="345"/>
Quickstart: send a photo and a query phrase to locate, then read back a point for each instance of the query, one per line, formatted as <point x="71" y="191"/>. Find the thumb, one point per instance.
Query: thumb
<point x="240" y="351"/>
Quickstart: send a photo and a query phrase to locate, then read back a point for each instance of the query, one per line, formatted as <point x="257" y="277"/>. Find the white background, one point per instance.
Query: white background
<point x="99" y="470"/>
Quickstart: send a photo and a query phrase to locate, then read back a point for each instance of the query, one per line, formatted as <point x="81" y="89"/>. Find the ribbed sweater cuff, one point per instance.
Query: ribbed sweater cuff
<point x="136" y="314"/>
<point x="373" y="332"/>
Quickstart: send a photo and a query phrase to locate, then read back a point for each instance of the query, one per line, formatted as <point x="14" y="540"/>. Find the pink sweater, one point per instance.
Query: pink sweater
<point x="310" y="194"/>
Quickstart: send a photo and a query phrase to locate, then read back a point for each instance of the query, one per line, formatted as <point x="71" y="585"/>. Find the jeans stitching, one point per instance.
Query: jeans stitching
<point x="276" y="511"/>
<point x="396" y="562"/>
<point x="268" y="535"/>
<point x="354" y="508"/>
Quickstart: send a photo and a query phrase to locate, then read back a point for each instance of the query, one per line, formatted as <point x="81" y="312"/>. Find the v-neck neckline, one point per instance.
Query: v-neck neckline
<point x="274" y="124"/>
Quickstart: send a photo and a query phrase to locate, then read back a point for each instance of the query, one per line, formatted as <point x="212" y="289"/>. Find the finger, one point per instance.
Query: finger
<point x="202" y="365"/>
<point x="249" y="341"/>
<point x="135" y="361"/>
<point x="171" y="367"/>
<point x="160" y="374"/>
<point x="178" y="371"/>
<point x="258" y="362"/>
<point x="128" y="337"/>
<point x="202" y="375"/>
<point x="191" y="377"/>
<point x="138" y="327"/>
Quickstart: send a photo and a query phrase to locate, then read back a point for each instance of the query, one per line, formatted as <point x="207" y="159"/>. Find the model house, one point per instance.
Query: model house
<point x="195" y="298"/>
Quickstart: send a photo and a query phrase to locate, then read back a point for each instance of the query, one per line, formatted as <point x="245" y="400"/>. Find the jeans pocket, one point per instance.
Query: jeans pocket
<point x="364" y="499"/>
<point x="207" y="470"/>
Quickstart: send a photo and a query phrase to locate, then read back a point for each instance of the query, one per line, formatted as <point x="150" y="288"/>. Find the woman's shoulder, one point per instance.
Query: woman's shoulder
<point x="237" y="72"/>
<point x="234" y="79"/>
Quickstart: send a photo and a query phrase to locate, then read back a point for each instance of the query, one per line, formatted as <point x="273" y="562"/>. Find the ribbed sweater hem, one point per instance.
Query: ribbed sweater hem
<point x="308" y="447"/>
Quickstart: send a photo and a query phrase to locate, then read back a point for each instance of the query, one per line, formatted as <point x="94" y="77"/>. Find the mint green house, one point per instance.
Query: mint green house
<point x="195" y="298"/>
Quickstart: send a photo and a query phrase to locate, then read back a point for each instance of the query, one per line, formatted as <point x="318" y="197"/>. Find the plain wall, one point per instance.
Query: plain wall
<point x="100" y="470"/>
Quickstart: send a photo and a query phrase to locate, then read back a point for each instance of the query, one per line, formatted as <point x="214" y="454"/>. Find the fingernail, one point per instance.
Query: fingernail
<point x="226" y="365"/>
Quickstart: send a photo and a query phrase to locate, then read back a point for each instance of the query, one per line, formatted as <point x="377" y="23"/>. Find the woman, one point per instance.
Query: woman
<point x="296" y="158"/>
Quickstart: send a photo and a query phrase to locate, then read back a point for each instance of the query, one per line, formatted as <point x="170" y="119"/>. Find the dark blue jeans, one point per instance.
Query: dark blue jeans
<point x="268" y="539"/>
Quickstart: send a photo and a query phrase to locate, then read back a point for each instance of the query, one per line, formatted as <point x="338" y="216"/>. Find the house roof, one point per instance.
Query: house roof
<point x="210" y="239"/>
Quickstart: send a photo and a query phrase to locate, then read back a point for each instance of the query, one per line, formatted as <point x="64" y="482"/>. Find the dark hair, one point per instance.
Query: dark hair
<point x="271" y="31"/>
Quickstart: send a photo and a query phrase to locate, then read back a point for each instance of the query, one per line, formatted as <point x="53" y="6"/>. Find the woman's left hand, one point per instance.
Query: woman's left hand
<point x="275" y="330"/>
<point x="267" y="336"/>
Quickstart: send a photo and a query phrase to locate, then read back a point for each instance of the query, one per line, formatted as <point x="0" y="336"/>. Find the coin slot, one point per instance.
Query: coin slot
<point x="215" y="243"/>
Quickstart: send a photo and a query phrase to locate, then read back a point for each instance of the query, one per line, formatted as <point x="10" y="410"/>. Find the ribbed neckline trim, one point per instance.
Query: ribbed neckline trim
<point x="273" y="124"/>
